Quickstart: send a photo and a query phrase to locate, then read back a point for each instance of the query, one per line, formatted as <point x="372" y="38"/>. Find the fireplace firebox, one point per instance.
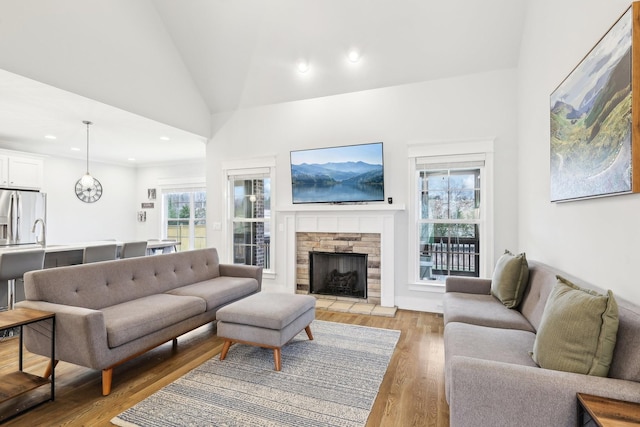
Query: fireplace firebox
<point x="338" y="273"/>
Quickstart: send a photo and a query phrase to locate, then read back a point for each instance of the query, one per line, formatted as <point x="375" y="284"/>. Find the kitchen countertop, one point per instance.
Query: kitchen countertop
<point x="50" y="248"/>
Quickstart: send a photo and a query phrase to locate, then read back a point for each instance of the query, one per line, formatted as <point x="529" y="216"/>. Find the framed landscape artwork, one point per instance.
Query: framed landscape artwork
<point x="594" y="146"/>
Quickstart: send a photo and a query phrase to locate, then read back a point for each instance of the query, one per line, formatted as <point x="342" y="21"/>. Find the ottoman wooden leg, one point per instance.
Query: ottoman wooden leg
<point x="277" y="358"/>
<point x="308" y="331"/>
<point x="225" y="349"/>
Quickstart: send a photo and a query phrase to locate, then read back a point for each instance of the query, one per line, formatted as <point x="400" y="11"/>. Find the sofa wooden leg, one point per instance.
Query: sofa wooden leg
<point x="308" y="331"/>
<point x="107" y="376"/>
<point x="175" y="344"/>
<point x="277" y="358"/>
<point x="225" y="349"/>
<point x="49" y="369"/>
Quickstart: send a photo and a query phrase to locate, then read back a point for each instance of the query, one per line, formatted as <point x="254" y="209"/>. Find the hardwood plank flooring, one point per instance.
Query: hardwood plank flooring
<point x="411" y="394"/>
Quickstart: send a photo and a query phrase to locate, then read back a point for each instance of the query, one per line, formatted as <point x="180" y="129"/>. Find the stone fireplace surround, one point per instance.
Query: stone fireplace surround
<point x="344" y="219"/>
<point x="360" y="243"/>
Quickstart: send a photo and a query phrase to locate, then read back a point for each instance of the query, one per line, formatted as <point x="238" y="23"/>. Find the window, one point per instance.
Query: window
<point x="449" y="220"/>
<point x="185" y="215"/>
<point x="251" y="218"/>
<point x="451" y="211"/>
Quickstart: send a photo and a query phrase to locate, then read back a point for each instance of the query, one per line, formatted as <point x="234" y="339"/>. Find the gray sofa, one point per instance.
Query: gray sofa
<point x="110" y="312"/>
<point x="490" y="377"/>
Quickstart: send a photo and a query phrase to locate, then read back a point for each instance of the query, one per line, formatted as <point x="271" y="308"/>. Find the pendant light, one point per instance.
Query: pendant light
<point x="88" y="189"/>
<point x="87" y="179"/>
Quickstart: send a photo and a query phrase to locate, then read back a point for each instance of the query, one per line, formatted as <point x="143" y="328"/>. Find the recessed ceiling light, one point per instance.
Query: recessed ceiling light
<point x="303" y="66"/>
<point x="354" y="55"/>
<point x="131" y="159"/>
<point x="165" y="138"/>
<point x="50" y="137"/>
<point x="75" y="149"/>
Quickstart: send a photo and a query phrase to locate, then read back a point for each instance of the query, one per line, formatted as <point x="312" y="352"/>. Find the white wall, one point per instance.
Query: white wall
<point x="471" y="107"/>
<point x="596" y="239"/>
<point x="71" y="221"/>
<point x="156" y="177"/>
<point x="114" y="216"/>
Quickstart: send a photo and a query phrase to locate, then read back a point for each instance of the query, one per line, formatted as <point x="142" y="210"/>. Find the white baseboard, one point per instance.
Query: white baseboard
<point x="431" y="304"/>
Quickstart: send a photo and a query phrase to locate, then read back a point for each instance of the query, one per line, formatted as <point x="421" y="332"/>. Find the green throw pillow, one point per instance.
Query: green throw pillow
<point x="510" y="279"/>
<point x="578" y="330"/>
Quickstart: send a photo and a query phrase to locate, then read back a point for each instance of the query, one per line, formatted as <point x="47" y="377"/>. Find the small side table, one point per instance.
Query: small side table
<point x="604" y="412"/>
<point x="18" y="383"/>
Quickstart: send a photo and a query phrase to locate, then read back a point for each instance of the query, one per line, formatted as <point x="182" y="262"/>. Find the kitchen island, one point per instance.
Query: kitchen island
<point x="71" y="254"/>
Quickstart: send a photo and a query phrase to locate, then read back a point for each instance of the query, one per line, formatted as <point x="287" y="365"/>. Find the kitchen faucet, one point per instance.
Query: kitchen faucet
<point x="42" y="242"/>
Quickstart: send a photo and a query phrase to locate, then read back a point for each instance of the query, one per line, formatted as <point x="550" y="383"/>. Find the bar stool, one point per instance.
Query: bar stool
<point x="14" y="264"/>
<point x="134" y="249"/>
<point x="99" y="253"/>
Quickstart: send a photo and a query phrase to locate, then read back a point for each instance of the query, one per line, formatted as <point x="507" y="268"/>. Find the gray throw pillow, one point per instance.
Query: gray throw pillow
<point x="578" y="330"/>
<point x="510" y="279"/>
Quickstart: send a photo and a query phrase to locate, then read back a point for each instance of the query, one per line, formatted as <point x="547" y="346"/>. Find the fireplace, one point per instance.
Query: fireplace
<point x="366" y="246"/>
<point x="367" y="229"/>
<point x="338" y="274"/>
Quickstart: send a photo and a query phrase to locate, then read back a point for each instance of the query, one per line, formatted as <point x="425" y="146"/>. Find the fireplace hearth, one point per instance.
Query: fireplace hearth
<point x="338" y="274"/>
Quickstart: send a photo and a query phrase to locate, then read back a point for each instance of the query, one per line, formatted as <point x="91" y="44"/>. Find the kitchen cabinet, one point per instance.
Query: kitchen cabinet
<point x="21" y="172"/>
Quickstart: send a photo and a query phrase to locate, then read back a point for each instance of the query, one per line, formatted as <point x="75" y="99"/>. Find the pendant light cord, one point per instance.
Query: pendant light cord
<point x="87" y="123"/>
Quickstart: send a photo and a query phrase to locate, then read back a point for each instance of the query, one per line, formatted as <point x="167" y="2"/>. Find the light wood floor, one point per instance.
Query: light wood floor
<point x="412" y="393"/>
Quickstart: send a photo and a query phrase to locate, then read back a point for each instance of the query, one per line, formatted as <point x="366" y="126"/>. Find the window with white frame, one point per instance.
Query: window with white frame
<point x="449" y="222"/>
<point x="185" y="212"/>
<point x="250" y="204"/>
<point x="451" y="215"/>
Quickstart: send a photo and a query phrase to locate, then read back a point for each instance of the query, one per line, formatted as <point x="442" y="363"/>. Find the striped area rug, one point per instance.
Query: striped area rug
<point x="330" y="381"/>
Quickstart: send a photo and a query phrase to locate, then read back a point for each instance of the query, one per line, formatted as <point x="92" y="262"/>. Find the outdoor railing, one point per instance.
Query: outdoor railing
<point x="459" y="257"/>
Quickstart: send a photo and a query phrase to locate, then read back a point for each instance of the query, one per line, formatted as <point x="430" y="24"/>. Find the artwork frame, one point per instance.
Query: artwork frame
<point x="594" y="146"/>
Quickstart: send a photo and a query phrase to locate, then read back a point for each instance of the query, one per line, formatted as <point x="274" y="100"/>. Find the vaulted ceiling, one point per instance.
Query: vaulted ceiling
<point x="150" y="68"/>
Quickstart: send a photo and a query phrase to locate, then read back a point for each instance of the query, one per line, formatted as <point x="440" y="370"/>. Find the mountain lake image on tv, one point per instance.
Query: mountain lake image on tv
<point x="346" y="174"/>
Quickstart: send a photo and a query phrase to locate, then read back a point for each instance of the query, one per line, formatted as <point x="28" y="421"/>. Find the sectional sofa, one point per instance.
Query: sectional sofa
<point x="491" y="378"/>
<point x="110" y="312"/>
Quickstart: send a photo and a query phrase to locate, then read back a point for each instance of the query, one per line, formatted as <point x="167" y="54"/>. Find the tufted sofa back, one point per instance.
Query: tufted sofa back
<point x="104" y="284"/>
<point x="626" y="356"/>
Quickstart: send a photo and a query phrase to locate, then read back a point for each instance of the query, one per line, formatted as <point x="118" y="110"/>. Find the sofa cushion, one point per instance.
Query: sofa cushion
<point x="510" y="279"/>
<point x="578" y="330"/>
<point x="482" y="342"/>
<point x="219" y="291"/>
<point x="130" y="320"/>
<point x="483" y="310"/>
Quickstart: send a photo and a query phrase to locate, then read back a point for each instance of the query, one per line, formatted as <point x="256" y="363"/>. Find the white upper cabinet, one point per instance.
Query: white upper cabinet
<point x="21" y="172"/>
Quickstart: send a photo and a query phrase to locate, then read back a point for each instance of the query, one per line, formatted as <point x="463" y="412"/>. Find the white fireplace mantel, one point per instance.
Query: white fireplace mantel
<point x="376" y="218"/>
<point x="340" y="208"/>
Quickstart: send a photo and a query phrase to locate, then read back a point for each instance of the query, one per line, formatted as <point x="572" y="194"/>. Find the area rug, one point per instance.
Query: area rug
<point x="330" y="381"/>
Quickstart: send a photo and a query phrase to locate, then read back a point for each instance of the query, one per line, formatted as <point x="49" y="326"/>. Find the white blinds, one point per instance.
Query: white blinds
<point x="469" y="161"/>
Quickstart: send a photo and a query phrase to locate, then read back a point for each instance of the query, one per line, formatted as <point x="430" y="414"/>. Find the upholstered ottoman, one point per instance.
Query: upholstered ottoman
<point x="268" y="320"/>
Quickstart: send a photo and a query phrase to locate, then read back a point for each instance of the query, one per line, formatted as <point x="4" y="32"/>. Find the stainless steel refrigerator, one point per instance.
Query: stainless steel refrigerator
<point x="19" y="211"/>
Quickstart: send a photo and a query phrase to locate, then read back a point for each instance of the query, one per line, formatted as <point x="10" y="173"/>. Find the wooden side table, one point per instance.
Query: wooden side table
<point x="605" y="412"/>
<point x="18" y="383"/>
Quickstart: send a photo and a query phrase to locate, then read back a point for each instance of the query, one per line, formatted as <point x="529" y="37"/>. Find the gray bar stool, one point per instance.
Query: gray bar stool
<point x="134" y="249"/>
<point x="99" y="253"/>
<point x="14" y="264"/>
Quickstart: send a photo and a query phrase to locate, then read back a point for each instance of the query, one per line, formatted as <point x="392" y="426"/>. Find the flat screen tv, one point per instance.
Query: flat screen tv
<point x="346" y="174"/>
